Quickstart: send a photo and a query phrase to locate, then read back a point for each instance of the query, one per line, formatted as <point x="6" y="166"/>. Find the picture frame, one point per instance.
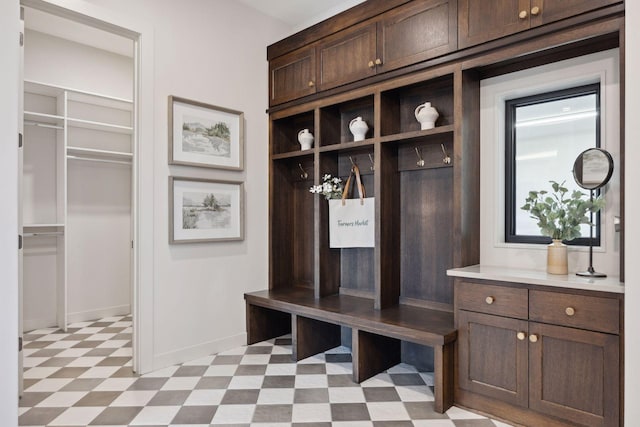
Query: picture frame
<point x="205" y="210"/>
<point x="205" y="135"/>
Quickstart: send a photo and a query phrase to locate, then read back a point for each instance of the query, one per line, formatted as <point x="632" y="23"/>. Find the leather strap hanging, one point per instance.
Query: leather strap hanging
<point x="361" y="191"/>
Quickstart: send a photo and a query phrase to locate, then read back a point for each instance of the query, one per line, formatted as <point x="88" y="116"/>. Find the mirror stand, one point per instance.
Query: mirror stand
<point x="590" y="271"/>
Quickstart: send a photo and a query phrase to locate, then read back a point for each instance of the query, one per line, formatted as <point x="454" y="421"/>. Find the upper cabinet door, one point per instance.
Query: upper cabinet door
<point x="545" y="11"/>
<point x="483" y="20"/>
<point x="347" y="56"/>
<point x="292" y="75"/>
<point x="416" y="32"/>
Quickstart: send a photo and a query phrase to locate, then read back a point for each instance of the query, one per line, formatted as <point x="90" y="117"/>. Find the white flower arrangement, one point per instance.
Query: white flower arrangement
<point x="331" y="187"/>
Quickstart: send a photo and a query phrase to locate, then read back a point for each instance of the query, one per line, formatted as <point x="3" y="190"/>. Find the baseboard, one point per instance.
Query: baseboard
<point x="33" y="324"/>
<point x="197" y="351"/>
<point x="100" y="313"/>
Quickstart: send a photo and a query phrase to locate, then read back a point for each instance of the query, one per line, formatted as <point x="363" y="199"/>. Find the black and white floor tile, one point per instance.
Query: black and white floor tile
<point x="83" y="378"/>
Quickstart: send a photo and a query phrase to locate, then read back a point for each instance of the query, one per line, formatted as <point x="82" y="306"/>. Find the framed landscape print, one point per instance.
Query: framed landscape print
<point x="205" y="135"/>
<point x="205" y="210"/>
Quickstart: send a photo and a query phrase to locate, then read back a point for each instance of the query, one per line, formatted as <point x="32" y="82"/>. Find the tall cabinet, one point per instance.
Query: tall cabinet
<point x="73" y="141"/>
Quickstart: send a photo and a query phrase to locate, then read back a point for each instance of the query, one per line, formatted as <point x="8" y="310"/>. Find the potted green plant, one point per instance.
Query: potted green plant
<point x="559" y="215"/>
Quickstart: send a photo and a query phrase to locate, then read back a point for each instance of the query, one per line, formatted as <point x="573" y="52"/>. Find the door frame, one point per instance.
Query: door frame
<point x="141" y="34"/>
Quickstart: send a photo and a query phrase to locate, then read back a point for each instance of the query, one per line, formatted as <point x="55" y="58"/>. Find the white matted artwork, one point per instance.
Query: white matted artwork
<point x="205" y="210"/>
<point x="205" y="135"/>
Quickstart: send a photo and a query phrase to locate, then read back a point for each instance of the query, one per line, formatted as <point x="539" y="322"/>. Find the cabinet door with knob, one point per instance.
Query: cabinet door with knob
<point x="292" y="76"/>
<point x="482" y="21"/>
<point x="415" y="32"/>
<point x="347" y="56"/>
<point x="574" y="374"/>
<point x="493" y="356"/>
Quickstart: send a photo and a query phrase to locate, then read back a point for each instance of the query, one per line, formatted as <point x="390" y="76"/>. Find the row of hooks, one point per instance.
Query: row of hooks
<point x="420" y="163"/>
<point x="446" y="160"/>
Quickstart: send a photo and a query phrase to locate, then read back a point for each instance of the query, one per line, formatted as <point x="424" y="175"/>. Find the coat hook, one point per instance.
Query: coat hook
<point x="353" y="164"/>
<point x="420" y="161"/>
<point x="446" y="160"/>
<point x="304" y="174"/>
<point x="371" y="160"/>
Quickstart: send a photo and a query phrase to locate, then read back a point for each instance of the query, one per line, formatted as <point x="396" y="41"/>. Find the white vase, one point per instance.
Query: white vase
<point x="358" y="128"/>
<point x="305" y="138"/>
<point x="557" y="258"/>
<point x="426" y="115"/>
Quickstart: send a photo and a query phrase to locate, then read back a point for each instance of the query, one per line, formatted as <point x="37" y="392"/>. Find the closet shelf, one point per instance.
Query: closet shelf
<point x="41" y="225"/>
<point x="93" y="125"/>
<point x="116" y="155"/>
<point x="43" y="120"/>
<point x="369" y="142"/>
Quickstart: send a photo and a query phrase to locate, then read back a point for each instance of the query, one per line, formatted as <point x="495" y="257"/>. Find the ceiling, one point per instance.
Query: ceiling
<point x="299" y="14"/>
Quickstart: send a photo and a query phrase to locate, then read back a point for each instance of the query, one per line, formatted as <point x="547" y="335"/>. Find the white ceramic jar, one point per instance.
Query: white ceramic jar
<point x="305" y="138"/>
<point x="358" y="128"/>
<point x="426" y="115"/>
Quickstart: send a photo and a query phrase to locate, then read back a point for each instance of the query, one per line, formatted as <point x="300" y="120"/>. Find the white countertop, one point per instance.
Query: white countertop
<point x="536" y="277"/>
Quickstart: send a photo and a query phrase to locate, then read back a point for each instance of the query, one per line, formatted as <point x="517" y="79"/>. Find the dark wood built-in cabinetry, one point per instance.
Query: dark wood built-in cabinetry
<point x="482" y="21"/>
<point x="555" y="352"/>
<point x="379" y="61"/>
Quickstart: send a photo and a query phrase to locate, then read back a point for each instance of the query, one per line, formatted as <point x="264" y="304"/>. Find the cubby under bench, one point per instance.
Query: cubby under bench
<point x="315" y="326"/>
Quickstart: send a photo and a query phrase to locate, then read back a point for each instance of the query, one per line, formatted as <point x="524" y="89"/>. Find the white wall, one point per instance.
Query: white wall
<point x="50" y="59"/>
<point x="9" y="75"/>
<point x="632" y="207"/>
<point x="214" y="52"/>
<point x="601" y="66"/>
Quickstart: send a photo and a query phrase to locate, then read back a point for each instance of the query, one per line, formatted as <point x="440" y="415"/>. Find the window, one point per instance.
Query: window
<point x="544" y="135"/>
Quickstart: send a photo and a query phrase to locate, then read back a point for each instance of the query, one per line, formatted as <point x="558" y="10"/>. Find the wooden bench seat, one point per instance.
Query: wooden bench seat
<point x="376" y="334"/>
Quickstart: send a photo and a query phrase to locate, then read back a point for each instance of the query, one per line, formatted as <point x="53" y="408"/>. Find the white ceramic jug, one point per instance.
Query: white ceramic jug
<point x="426" y="115"/>
<point x="358" y="128"/>
<point x="305" y="138"/>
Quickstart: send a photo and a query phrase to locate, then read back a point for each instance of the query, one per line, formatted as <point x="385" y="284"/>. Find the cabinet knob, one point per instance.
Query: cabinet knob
<point x="533" y="338"/>
<point x="489" y="300"/>
<point x="535" y="10"/>
<point x="371" y="64"/>
<point x="522" y="14"/>
<point x="311" y="83"/>
<point x="378" y="61"/>
<point x="521" y="336"/>
<point x="570" y="311"/>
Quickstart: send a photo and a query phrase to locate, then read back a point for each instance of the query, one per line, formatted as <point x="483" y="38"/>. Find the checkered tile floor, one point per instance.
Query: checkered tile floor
<point x="84" y="377"/>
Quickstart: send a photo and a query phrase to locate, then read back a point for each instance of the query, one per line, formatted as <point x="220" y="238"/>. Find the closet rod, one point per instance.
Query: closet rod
<point x="90" y="159"/>
<point x="44" y="233"/>
<point x="42" y="125"/>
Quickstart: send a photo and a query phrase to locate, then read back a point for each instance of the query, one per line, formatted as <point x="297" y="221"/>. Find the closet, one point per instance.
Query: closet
<point x="76" y="177"/>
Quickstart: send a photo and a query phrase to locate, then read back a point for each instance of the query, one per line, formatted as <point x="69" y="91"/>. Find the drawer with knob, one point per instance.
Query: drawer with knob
<point x="491" y="299"/>
<point x="579" y="311"/>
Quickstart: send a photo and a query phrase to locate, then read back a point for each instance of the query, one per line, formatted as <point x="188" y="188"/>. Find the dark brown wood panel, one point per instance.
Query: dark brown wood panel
<point x="335" y="119"/>
<point x="388" y="232"/>
<point x="491" y="299"/>
<point x="426" y="234"/>
<point x="481" y="21"/>
<point x="292" y="212"/>
<point x="574" y="374"/>
<point x="310" y="336"/>
<point x="326" y="261"/>
<point x="292" y="76"/>
<point x="492" y="360"/>
<point x="372" y="354"/>
<point x="416" y="32"/>
<point x="584" y="312"/>
<point x="264" y="324"/>
<point x="555" y="10"/>
<point x="444" y="367"/>
<point x="347" y="56"/>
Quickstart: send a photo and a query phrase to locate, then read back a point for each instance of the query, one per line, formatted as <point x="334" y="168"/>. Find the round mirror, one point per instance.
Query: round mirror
<point x="593" y="168"/>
